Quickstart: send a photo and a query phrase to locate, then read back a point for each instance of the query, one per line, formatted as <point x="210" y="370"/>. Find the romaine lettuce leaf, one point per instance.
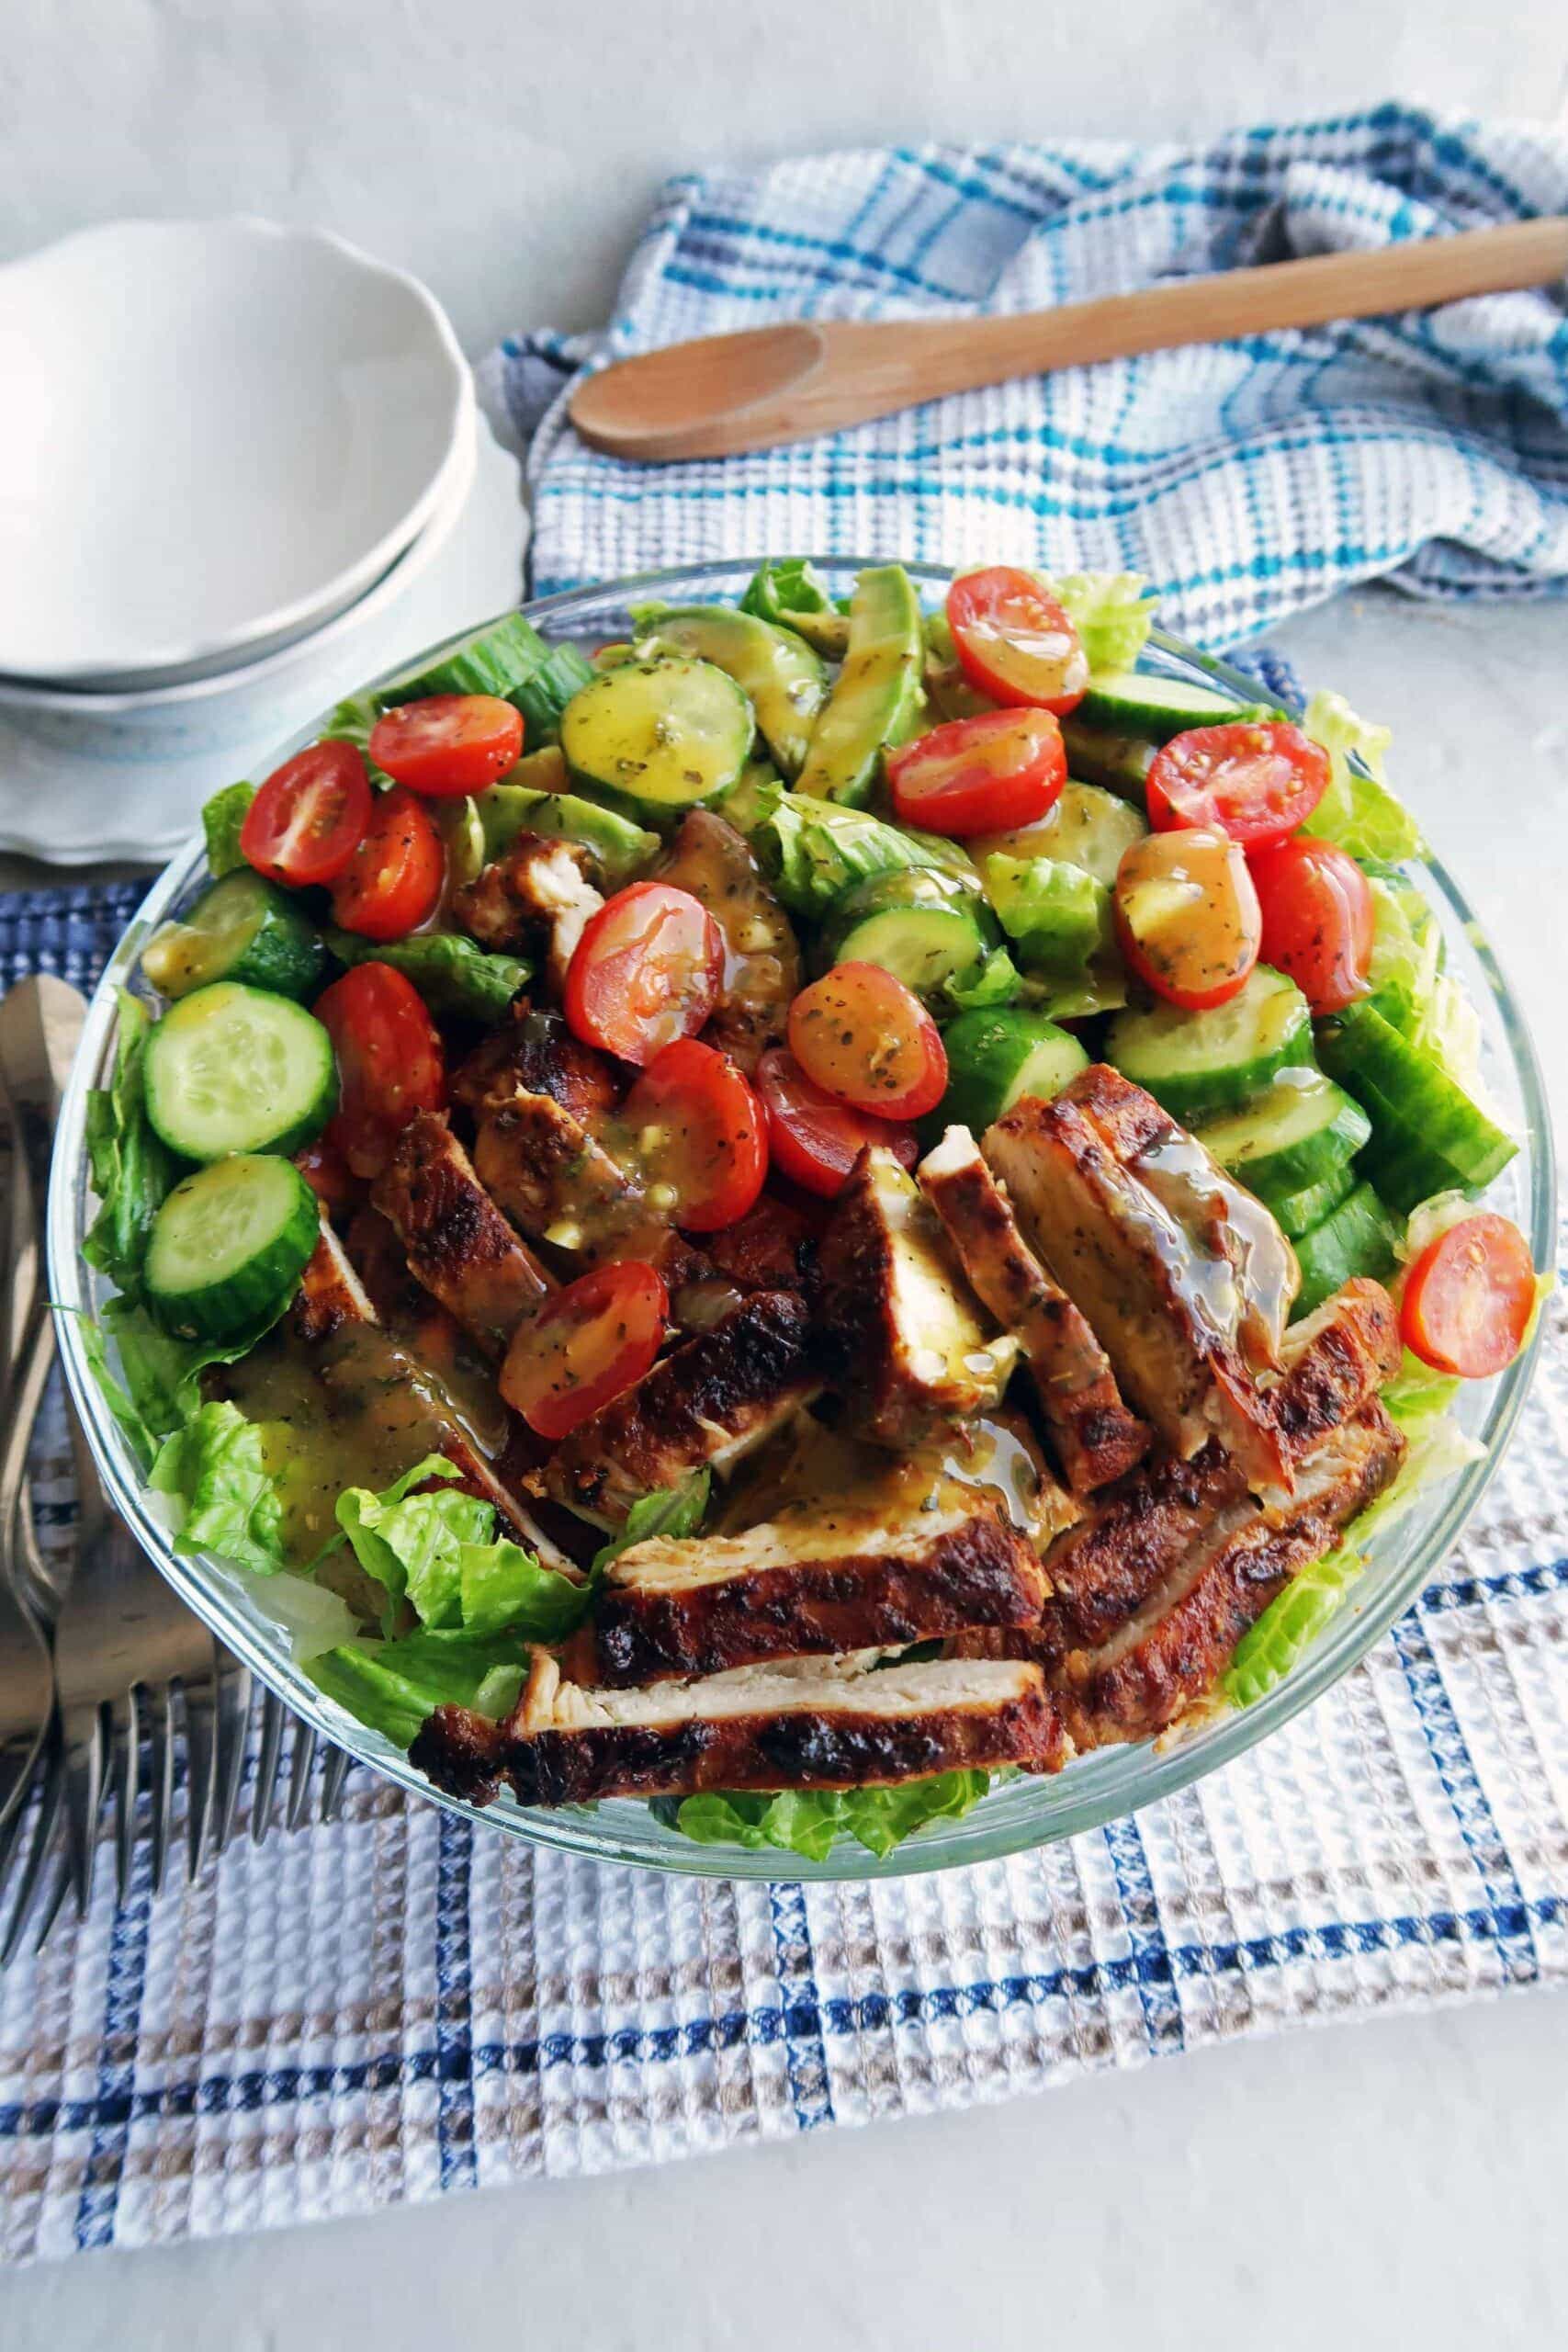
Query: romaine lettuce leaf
<point x="393" y="1686"/>
<point x="1112" y="611"/>
<point x="789" y="585"/>
<point x="132" y="1169"/>
<point x="673" y="1511"/>
<point x="811" y="851"/>
<point x="161" y="1385"/>
<point x="502" y="1587"/>
<point x="223" y="815"/>
<point x="997" y="982"/>
<point x="807" y="1821"/>
<point x="411" y="1543"/>
<point x="1057" y="916"/>
<point x="1406" y="947"/>
<point x="1293" y="1621"/>
<point x="452" y="972"/>
<point x="1359" y="811"/>
<point x="351" y="722"/>
<point x="214" y="1473"/>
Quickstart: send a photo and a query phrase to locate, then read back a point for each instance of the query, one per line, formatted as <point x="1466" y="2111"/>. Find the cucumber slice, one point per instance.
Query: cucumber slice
<point x="783" y="680"/>
<point x="876" y="700"/>
<point x="1358" y="1237"/>
<point x="242" y="929"/>
<point x="1128" y="703"/>
<point x="1058" y="915"/>
<point x="1299" y="1133"/>
<point x="994" y="1058"/>
<point x="661" y="736"/>
<point x="1198" y="1062"/>
<point x="1119" y="762"/>
<point x="228" y="1246"/>
<point x="512" y="660"/>
<point x="918" y="925"/>
<point x="1087" y="827"/>
<point x="1297" y="1212"/>
<point x="1422" y="1119"/>
<point x="233" y="1068"/>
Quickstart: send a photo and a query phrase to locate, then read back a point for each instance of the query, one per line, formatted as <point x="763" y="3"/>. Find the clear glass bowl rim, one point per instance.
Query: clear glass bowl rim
<point x="1021" y="1814"/>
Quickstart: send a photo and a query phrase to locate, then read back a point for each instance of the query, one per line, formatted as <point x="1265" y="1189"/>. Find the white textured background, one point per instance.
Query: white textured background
<point x="1396" y="2184"/>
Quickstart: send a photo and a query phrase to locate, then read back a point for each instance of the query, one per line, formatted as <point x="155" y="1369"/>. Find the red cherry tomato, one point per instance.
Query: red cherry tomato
<point x="306" y="822"/>
<point x="329" y="1175"/>
<point x="980" y="775"/>
<point x="815" y="1140"/>
<point x="584" y="1346"/>
<point x="1318" y="918"/>
<point x="647" y="970"/>
<point x="1469" y="1297"/>
<point x="447" y="744"/>
<point x="390" y="1062"/>
<point x="1015" y="642"/>
<point x="1188" y="917"/>
<point x="1255" y="782"/>
<point x="392" y="882"/>
<point x="711" y="1137"/>
<point x="867" y="1039"/>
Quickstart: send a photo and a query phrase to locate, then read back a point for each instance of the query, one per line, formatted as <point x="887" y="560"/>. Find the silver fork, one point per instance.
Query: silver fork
<point x="27" y="1681"/>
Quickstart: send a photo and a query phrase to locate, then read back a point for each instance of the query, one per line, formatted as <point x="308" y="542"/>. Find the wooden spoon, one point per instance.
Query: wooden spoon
<point x="729" y="392"/>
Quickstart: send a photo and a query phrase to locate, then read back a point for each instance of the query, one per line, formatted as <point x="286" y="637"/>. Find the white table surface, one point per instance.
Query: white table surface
<point x="1399" y="2182"/>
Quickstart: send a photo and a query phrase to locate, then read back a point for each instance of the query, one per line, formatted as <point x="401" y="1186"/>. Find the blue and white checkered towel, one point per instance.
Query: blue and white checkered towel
<point x="1248" y="479"/>
<point x="392" y="2007"/>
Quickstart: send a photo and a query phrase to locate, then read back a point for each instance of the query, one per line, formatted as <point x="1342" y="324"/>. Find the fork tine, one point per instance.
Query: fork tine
<point x="163" y="1734"/>
<point x="300" y="1775"/>
<point x="267" y="1766"/>
<point x="53" y="1899"/>
<point x="126" y="1719"/>
<point x="84" y="1779"/>
<point x="235" y="1686"/>
<point x="201" y="1762"/>
<point x="336" y="1773"/>
<point x="36" y="1849"/>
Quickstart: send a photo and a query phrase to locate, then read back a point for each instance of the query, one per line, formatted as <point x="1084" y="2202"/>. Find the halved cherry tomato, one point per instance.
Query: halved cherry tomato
<point x="390" y="1062"/>
<point x="815" y="1140"/>
<point x="329" y="1175"/>
<point x="1188" y="917"/>
<point x="865" y="1038"/>
<point x="980" y="775"/>
<point x="306" y="822"/>
<point x="1318" y="918"/>
<point x="647" y="970"/>
<point x="1469" y="1297"/>
<point x="1255" y="781"/>
<point x="698" y="1128"/>
<point x="1015" y="642"/>
<point x="584" y="1346"/>
<point x="392" y="881"/>
<point x="447" y="744"/>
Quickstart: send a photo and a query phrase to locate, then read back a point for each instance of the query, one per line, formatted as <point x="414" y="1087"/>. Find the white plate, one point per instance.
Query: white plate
<point x="75" y="802"/>
<point x="212" y="436"/>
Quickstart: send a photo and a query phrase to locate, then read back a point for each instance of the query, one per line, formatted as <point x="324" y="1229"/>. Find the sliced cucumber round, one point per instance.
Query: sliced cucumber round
<point x="234" y="1069"/>
<point x="1299" y="1133"/>
<point x="1198" y="1062"/>
<point x="242" y="929"/>
<point x="1087" y="827"/>
<point x="1296" y="1214"/>
<point x="1108" y="756"/>
<point x="228" y="1246"/>
<point x="658" y="736"/>
<point x="784" y="679"/>
<point x="915" y="923"/>
<point x="1129" y="703"/>
<point x="993" y="1058"/>
<point x="1358" y="1237"/>
<point x="1412" y="1103"/>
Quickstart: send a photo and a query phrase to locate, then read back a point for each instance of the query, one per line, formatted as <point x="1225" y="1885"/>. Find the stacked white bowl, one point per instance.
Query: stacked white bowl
<point x="237" y="475"/>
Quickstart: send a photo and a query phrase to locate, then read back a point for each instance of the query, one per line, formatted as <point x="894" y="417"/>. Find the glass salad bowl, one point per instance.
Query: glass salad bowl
<point x="1020" y="1812"/>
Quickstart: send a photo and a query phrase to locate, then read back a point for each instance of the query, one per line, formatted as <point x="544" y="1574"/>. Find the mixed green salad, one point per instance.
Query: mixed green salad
<point x="961" y="856"/>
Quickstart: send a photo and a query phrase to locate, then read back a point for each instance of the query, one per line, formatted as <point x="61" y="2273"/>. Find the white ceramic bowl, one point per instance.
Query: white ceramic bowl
<point x="213" y="435"/>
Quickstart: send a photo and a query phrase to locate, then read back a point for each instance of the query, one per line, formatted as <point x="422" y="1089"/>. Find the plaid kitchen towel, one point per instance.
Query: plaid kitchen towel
<point x="393" y="2007"/>
<point x="1248" y="479"/>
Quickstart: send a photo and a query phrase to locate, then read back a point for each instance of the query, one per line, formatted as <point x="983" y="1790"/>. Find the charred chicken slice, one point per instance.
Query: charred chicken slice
<point x="459" y="1245"/>
<point x="330" y="1293"/>
<point x="760" y="1728"/>
<point x="535" y="1053"/>
<point x="713" y="863"/>
<point x="1167" y="1310"/>
<point x="704" y="1405"/>
<point x="904" y="1338"/>
<point x="541" y="888"/>
<point x="1096" y="1437"/>
<point x="821" y="1582"/>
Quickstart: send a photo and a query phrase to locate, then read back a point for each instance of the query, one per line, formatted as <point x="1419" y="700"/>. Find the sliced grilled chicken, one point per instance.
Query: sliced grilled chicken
<point x="705" y="1404"/>
<point x="1097" y="1437"/>
<point x="555" y="1182"/>
<point x="904" y="1337"/>
<point x="770" y="1248"/>
<point x="540" y="889"/>
<point x="761" y="974"/>
<point x="1165" y="1310"/>
<point x="536" y="1052"/>
<point x="760" y="1728"/>
<point x="1335" y="1360"/>
<point x="331" y="1293"/>
<point x="811" y="1581"/>
<point x="459" y="1245"/>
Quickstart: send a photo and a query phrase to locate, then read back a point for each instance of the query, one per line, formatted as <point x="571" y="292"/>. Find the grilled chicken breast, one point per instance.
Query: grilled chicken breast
<point x="535" y="1053"/>
<point x="760" y="1728"/>
<point x="541" y="888"/>
<point x="459" y="1245"/>
<point x="1097" y="1439"/>
<point x="704" y="1405"/>
<point x="331" y="1293"/>
<point x="825" y="1581"/>
<point x="904" y="1338"/>
<point x="761" y="959"/>
<point x="1167" y="1310"/>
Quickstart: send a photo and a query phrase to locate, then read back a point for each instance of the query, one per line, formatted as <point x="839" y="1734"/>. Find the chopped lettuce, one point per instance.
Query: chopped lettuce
<point x="223" y="815"/>
<point x="393" y="1686"/>
<point x="214" y="1473"/>
<point x="452" y="972"/>
<point x="502" y="1587"/>
<point x="674" y="1511"/>
<point x="1293" y="1621"/>
<point x="160" y="1388"/>
<point x="132" y="1170"/>
<point x="1359" y="811"/>
<point x="997" y="982"/>
<point x="1057" y="916"/>
<point x="1112" y="611"/>
<point x="811" y="851"/>
<point x="807" y="1821"/>
<point x="411" y="1543"/>
<point x="779" y="591"/>
<point x="351" y="722"/>
<point x="1407" y="948"/>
